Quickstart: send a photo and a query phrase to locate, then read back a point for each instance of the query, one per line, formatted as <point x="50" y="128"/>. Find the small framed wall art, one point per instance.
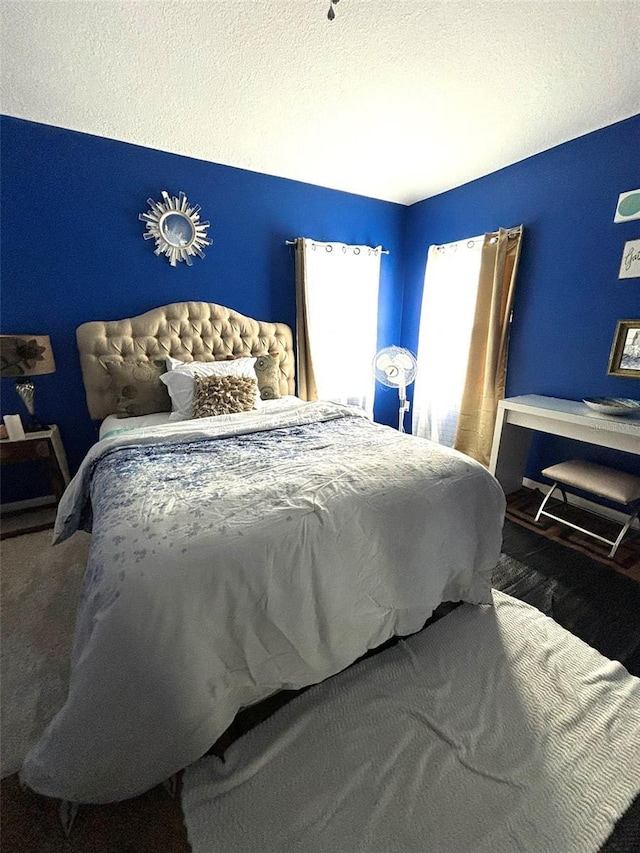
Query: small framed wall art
<point x="628" y="206"/>
<point x="624" y="359"/>
<point x="630" y="263"/>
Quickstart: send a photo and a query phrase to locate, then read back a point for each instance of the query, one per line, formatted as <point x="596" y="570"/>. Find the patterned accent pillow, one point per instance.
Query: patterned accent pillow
<point x="222" y="395"/>
<point x="138" y="388"/>
<point x="268" y="373"/>
<point x="179" y="380"/>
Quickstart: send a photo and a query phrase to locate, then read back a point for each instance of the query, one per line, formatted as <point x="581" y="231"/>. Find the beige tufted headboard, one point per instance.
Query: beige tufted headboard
<point x="190" y="331"/>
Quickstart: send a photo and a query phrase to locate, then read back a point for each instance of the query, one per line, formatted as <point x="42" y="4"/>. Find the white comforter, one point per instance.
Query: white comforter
<point x="238" y="556"/>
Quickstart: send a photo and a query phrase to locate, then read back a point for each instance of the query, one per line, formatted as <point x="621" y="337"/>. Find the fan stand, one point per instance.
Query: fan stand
<point x="404" y="405"/>
<point x="395" y="367"/>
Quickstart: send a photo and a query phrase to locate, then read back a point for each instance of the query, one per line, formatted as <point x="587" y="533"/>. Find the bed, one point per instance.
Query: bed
<point x="235" y="555"/>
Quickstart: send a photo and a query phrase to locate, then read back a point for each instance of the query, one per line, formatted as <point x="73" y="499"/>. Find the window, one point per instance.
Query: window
<point x="446" y="323"/>
<point x="337" y="325"/>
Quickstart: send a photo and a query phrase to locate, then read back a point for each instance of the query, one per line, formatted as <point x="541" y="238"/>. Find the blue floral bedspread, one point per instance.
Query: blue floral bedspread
<point x="233" y="559"/>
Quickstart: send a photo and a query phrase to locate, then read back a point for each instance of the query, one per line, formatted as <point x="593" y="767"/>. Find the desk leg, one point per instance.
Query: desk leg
<point x="509" y="455"/>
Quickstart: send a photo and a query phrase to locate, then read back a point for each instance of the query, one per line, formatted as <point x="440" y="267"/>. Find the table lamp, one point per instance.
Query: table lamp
<point x="23" y="356"/>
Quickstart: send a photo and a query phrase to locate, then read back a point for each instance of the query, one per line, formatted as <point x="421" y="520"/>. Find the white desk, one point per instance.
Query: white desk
<point x="519" y="417"/>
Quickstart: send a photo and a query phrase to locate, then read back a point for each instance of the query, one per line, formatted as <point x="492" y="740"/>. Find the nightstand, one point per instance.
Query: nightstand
<point x="44" y="446"/>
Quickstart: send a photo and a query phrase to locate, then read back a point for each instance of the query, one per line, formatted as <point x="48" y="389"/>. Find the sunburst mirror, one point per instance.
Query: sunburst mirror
<point x="176" y="228"/>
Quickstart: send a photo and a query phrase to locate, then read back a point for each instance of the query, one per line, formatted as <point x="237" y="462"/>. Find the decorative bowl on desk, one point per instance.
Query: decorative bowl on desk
<point x="612" y="405"/>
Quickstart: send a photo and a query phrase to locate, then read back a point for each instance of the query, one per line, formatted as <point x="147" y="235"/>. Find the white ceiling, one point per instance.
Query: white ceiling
<point x="395" y="99"/>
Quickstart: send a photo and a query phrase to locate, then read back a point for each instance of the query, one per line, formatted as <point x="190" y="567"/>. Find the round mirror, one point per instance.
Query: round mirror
<point x="176" y="228"/>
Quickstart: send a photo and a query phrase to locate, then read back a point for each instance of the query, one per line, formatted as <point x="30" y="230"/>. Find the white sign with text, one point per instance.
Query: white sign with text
<point x="630" y="264"/>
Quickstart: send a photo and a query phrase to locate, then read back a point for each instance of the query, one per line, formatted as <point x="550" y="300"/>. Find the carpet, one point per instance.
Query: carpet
<point x="492" y="730"/>
<point x="39" y="593"/>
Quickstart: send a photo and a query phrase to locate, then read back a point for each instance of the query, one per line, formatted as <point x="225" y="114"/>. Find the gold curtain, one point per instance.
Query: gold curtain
<point x="487" y="368"/>
<point x="306" y="381"/>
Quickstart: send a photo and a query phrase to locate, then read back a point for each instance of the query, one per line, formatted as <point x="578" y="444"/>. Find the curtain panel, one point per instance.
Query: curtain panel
<point x="487" y="367"/>
<point x="463" y="340"/>
<point x="336" y="321"/>
<point x="305" y="376"/>
<point x="446" y="321"/>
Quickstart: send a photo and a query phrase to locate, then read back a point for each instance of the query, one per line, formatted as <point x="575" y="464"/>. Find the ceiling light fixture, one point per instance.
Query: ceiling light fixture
<point x="331" y="14"/>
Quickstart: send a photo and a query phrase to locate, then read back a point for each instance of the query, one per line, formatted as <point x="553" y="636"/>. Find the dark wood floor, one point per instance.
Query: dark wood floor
<point x="595" y="601"/>
<point x="592" y="599"/>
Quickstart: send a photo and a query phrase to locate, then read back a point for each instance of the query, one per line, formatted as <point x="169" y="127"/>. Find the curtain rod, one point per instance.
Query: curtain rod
<point x="511" y="233"/>
<point x="382" y="251"/>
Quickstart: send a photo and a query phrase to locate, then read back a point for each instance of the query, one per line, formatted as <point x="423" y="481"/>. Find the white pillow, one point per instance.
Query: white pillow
<point x="172" y="363"/>
<point x="179" y="380"/>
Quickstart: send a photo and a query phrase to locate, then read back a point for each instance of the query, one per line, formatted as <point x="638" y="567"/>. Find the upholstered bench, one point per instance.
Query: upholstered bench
<point x="616" y="486"/>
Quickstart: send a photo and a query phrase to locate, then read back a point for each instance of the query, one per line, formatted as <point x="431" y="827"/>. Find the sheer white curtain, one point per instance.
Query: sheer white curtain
<point x="337" y="320"/>
<point x="446" y="323"/>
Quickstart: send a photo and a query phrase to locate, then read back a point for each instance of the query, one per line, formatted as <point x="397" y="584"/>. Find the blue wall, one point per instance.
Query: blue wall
<point x="72" y="251"/>
<point x="568" y="298"/>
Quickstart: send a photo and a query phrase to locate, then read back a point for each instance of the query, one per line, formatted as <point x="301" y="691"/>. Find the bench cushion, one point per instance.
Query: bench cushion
<point x="617" y="486"/>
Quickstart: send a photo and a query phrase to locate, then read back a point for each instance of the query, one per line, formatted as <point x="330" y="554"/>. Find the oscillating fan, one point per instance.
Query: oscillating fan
<point x="396" y="367"/>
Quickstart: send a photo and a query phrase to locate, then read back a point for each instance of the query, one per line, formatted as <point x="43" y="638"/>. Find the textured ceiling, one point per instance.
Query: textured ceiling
<point x="395" y="99"/>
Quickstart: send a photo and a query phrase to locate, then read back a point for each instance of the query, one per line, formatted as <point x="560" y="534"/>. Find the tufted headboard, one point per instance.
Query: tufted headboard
<point x="190" y="331"/>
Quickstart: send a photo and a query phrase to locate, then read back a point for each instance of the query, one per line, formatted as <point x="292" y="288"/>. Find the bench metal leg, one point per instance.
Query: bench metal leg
<point x="546" y="499"/>
<point x="632" y="517"/>
<point x="623" y="532"/>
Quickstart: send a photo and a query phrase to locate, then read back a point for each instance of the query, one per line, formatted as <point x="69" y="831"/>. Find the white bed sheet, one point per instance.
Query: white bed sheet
<point x="271" y="557"/>
<point x="113" y="425"/>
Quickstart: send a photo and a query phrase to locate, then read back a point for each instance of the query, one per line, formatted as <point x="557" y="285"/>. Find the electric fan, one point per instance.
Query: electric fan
<point x="396" y="367"/>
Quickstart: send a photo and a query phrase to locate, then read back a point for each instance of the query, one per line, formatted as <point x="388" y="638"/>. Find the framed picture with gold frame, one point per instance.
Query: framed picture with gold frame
<point x="624" y="359"/>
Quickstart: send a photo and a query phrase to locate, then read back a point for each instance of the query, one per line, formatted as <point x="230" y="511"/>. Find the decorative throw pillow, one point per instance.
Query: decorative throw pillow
<point x="138" y="388"/>
<point x="179" y="380"/>
<point x="268" y="373"/>
<point x="222" y="395"/>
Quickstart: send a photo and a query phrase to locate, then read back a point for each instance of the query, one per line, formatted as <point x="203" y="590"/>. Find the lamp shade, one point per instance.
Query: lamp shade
<point x="26" y="355"/>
